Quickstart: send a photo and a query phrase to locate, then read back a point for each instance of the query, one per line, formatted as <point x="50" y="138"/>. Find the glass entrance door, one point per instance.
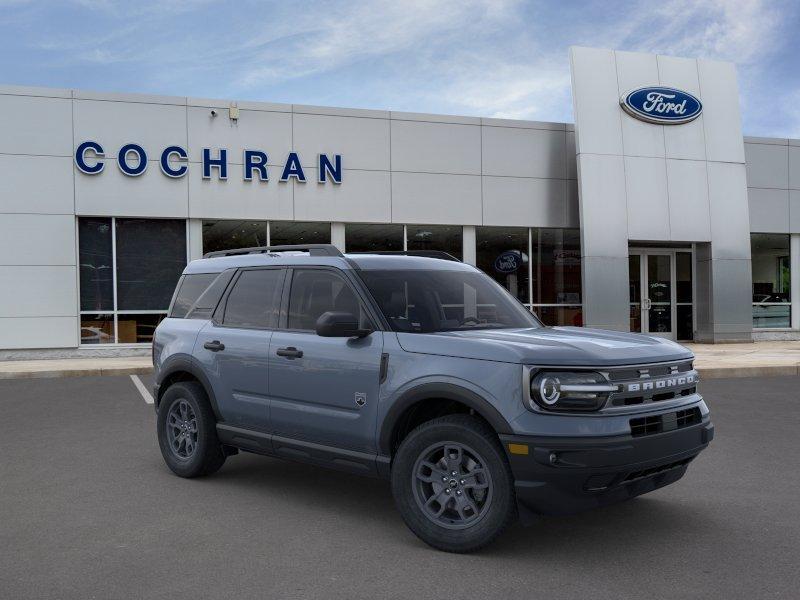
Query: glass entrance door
<point x="657" y="294"/>
<point x="661" y="293"/>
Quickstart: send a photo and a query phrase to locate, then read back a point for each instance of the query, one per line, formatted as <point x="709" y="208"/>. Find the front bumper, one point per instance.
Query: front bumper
<point x="564" y="475"/>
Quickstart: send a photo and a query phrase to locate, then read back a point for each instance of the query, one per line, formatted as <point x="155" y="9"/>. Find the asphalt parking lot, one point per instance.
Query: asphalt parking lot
<point x="88" y="510"/>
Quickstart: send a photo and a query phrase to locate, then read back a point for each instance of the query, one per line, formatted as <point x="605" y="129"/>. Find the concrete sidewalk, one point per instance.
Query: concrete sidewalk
<point x="760" y="359"/>
<point x="75" y="367"/>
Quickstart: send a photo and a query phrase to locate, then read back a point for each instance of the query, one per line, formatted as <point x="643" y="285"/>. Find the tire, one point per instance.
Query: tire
<point x="479" y="504"/>
<point x="192" y="450"/>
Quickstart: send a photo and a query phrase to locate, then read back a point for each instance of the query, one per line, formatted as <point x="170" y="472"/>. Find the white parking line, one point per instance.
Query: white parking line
<point x="142" y="390"/>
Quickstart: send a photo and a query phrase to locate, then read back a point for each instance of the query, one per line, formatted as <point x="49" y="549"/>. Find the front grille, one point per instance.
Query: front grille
<point x="655" y="470"/>
<point x="666" y="422"/>
<point x="652" y="383"/>
<point x="632" y="373"/>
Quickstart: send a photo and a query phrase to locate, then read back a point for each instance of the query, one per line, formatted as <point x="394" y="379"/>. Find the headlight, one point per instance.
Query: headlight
<point x="566" y="390"/>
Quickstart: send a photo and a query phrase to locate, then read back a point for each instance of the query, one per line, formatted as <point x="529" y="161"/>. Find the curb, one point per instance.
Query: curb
<point x="56" y="373"/>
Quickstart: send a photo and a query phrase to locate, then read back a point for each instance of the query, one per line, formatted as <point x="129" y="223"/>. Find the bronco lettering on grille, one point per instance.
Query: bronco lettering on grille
<point x="660" y="384"/>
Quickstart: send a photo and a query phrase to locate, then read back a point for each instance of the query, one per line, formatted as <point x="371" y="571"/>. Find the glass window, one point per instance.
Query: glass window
<point x="436" y="237"/>
<point x="556" y="275"/>
<point x="253" y="301"/>
<point x="97" y="328"/>
<point x="96" y="264"/>
<point x="683" y="290"/>
<point x="560" y="315"/>
<point x="635" y="292"/>
<point x="126" y="289"/>
<point x="442" y="300"/>
<point x="205" y="305"/>
<point x="556" y="266"/>
<point x="371" y="238"/>
<point x="189" y="291"/>
<point x="502" y="253"/>
<point x="317" y="291"/>
<point x="229" y="235"/>
<point x="137" y="328"/>
<point x="284" y="233"/>
<point x="771" y="280"/>
<point x="151" y="254"/>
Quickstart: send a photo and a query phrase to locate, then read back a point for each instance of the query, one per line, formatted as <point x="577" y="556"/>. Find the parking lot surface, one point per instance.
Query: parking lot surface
<point x="89" y="510"/>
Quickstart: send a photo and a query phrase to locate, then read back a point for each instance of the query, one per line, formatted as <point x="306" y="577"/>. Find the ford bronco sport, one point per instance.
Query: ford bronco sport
<point x="420" y="369"/>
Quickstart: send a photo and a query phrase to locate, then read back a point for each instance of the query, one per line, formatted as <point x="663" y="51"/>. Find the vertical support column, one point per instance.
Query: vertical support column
<point x="469" y="247"/>
<point x="337" y="235"/>
<point x="194" y="238"/>
<point x="794" y="270"/>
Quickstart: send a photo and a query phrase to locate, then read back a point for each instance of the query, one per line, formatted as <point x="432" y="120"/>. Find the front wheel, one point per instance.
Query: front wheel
<point x="187" y="432"/>
<point x="453" y="485"/>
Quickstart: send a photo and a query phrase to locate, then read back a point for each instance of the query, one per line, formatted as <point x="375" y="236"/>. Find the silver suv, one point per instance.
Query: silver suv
<point x="421" y="369"/>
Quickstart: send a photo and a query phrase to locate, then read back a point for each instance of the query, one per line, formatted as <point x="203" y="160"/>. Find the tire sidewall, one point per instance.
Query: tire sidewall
<point x="473" y="434"/>
<point x="206" y="430"/>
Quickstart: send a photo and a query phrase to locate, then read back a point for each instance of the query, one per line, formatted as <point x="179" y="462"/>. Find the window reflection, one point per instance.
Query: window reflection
<point x="771" y="280"/>
<point x="436" y="237"/>
<point x="151" y="255"/>
<point x="502" y="253"/>
<point x="373" y="238"/>
<point x="96" y="264"/>
<point x="283" y="233"/>
<point x="145" y="265"/>
<point x="97" y="328"/>
<point x="229" y="235"/>
<point x="557" y="266"/>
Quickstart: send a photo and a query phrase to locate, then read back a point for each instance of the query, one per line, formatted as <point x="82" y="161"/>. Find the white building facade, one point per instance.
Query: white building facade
<point x="690" y="231"/>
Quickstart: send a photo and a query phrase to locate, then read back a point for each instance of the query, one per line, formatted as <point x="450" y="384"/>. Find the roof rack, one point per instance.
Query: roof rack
<point x="441" y="254"/>
<point x="312" y="249"/>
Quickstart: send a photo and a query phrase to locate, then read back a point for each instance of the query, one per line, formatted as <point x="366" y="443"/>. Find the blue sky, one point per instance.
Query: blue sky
<point x="501" y="58"/>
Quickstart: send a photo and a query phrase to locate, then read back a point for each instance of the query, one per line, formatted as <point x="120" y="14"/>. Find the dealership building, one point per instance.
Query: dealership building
<point x="651" y="213"/>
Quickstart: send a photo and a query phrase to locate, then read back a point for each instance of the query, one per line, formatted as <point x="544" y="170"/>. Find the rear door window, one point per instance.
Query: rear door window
<point x="254" y="299"/>
<point x="189" y="290"/>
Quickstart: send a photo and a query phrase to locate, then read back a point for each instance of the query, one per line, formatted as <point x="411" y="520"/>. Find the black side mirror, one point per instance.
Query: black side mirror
<point x="340" y="324"/>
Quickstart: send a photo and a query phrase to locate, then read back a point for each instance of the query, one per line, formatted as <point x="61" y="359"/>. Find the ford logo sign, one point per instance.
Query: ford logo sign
<point x="508" y="262"/>
<point x="662" y="105"/>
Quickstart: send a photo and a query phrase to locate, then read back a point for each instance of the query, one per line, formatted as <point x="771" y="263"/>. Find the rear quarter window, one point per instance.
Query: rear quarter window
<point x="190" y="288"/>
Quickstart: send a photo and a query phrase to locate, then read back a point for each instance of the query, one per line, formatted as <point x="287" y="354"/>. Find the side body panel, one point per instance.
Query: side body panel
<point x="238" y="374"/>
<point x="493" y="389"/>
<point x="174" y="341"/>
<point x="318" y="397"/>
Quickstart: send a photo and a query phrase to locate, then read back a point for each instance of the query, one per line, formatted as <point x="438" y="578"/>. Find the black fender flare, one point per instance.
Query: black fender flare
<point x="447" y="391"/>
<point x="178" y="363"/>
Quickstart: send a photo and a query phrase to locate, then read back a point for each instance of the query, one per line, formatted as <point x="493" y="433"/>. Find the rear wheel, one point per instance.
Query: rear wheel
<point x="187" y="433"/>
<point x="453" y="485"/>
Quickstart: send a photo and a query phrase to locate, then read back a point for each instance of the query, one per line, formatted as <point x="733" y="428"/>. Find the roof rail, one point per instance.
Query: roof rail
<point x="312" y="249"/>
<point x="441" y="254"/>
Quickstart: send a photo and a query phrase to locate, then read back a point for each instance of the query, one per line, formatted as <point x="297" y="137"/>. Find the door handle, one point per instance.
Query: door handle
<point x="290" y="352"/>
<point x="214" y="346"/>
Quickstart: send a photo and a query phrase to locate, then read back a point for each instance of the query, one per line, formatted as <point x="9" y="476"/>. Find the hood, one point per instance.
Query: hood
<point x="556" y="346"/>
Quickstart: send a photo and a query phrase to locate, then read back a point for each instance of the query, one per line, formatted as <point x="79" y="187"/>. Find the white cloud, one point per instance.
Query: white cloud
<point x="314" y="43"/>
<point x="505" y="58"/>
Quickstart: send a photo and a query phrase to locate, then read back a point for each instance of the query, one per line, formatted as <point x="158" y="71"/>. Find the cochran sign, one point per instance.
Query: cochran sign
<point x="662" y="105"/>
<point x="173" y="160"/>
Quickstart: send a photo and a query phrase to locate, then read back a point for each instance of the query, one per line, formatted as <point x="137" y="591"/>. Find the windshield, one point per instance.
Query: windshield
<point x="432" y="301"/>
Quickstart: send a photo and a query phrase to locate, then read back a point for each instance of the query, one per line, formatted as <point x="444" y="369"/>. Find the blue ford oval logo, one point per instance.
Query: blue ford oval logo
<point x="508" y="262"/>
<point x="663" y="105"/>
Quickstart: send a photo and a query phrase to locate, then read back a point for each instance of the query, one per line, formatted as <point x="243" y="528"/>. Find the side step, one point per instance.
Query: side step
<point x="340" y="459"/>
